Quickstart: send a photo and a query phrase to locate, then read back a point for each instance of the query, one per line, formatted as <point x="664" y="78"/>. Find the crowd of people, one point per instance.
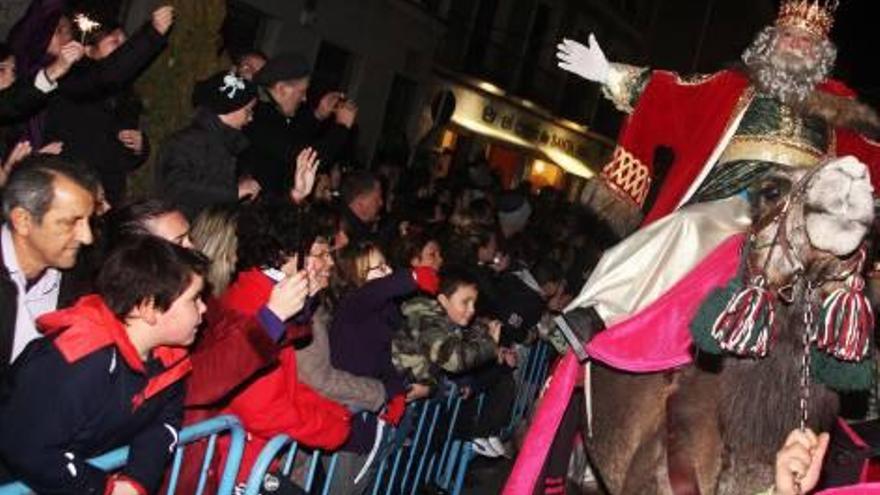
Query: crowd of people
<point x="265" y="275"/>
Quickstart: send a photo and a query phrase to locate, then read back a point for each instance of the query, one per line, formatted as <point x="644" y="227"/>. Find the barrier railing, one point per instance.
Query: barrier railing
<point x="210" y="429"/>
<point x="422" y="449"/>
<point x="270" y="454"/>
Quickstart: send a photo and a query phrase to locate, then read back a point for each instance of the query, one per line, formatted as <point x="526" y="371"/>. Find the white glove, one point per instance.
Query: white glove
<point x="586" y="61"/>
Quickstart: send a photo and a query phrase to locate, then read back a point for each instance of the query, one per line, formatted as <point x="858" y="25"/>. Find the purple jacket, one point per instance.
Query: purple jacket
<point x="360" y="342"/>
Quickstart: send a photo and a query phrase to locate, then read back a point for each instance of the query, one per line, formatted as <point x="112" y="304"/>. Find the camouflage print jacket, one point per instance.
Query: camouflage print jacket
<point x="429" y="344"/>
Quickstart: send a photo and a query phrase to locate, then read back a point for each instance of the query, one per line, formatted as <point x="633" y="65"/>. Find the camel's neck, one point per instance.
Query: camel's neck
<point x="760" y="402"/>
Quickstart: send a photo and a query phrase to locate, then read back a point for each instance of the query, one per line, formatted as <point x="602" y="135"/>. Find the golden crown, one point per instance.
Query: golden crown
<point x="814" y="16"/>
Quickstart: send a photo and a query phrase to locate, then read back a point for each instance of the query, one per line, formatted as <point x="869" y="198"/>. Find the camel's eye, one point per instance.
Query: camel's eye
<point x="770" y="192"/>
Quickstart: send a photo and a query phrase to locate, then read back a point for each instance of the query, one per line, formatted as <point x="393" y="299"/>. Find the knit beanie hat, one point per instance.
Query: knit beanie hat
<point x="223" y="93"/>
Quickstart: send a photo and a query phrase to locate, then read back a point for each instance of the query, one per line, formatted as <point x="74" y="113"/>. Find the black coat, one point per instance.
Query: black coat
<point x="95" y="102"/>
<point x="55" y="415"/>
<point x="20" y="100"/>
<point x="17" y="103"/>
<point x="73" y="285"/>
<point x="275" y="142"/>
<point x="197" y="164"/>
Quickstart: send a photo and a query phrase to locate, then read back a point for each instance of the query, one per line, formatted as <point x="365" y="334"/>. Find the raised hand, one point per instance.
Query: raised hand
<point x="588" y="61"/>
<point x="494" y="330"/>
<point x="53" y="148"/>
<point x="132" y="139"/>
<point x="288" y="297"/>
<point x="163" y="18"/>
<point x="70" y="54"/>
<point x="18" y="153"/>
<point x="328" y="104"/>
<point x="248" y="188"/>
<point x="346" y="114"/>
<point x="307" y="164"/>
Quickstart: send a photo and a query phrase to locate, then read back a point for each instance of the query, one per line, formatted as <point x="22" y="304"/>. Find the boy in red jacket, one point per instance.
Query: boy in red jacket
<point x="106" y="373"/>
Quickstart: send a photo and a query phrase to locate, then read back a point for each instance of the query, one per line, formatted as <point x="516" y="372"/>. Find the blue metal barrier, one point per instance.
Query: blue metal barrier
<point x="210" y="429"/>
<point x="271" y="452"/>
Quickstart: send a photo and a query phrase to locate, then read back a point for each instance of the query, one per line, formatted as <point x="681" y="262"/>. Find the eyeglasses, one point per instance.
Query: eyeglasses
<point x="325" y="254"/>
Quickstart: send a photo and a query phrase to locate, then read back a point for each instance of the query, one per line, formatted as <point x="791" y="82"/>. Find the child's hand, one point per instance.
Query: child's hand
<point x="417" y="391"/>
<point x="465" y="392"/>
<point x="494" y="330"/>
<point x="122" y="487"/>
<point x="799" y="462"/>
<point x="289" y="296"/>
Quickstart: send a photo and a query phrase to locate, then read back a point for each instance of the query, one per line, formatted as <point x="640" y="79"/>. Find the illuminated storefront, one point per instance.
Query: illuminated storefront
<point x="520" y="140"/>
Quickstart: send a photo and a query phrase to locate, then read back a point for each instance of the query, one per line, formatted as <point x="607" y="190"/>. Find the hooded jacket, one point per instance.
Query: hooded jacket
<point x="83" y="390"/>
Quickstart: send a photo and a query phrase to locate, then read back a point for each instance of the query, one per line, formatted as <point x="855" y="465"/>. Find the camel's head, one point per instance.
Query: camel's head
<point x="804" y="262"/>
<point x="825" y="214"/>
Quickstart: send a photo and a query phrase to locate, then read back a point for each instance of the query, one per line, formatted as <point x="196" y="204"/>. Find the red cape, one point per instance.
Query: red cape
<point x="691" y="119"/>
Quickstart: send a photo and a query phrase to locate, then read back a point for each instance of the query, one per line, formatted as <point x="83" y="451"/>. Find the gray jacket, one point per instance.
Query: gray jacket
<point x="314" y="369"/>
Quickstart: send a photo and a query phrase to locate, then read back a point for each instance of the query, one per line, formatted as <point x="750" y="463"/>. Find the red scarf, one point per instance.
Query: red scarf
<point x="89" y="325"/>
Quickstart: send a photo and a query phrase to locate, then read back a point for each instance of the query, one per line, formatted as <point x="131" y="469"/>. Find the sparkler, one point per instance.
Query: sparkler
<point x="86" y="25"/>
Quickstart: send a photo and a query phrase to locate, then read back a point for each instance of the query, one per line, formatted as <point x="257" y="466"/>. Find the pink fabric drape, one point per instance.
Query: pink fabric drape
<point x="657" y="338"/>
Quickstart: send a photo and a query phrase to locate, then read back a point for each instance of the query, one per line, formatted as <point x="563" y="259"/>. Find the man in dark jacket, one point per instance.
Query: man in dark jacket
<point x="361" y="207"/>
<point x="98" y="91"/>
<point x="281" y="129"/>
<point x="197" y="164"/>
<point x="48" y="204"/>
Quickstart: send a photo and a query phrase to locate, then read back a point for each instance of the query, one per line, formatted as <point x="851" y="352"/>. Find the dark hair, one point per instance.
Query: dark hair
<point x="326" y="219"/>
<point x="147" y="268"/>
<point x="462" y="245"/>
<point x="270" y="231"/>
<point x="351" y="267"/>
<point x="410" y="246"/>
<point x="131" y="219"/>
<point x="547" y="270"/>
<point x="31" y="183"/>
<point x="5" y="51"/>
<point x="455" y="276"/>
<point x="357" y="183"/>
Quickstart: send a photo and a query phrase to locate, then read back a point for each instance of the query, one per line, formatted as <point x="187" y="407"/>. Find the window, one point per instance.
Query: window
<point x="333" y="70"/>
<point x="242" y="27"/>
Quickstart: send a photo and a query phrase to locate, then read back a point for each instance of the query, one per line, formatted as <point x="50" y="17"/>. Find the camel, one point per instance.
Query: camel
<point x="713" y="427"/>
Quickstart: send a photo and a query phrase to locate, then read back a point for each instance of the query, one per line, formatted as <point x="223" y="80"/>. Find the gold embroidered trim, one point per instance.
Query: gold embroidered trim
<point x="770" y="149"/>
<point x="627" y="175"/>
<point x="695" y="79"/>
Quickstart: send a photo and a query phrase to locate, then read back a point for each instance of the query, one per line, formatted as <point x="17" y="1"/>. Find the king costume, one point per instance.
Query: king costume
<point x="726" y="133"/>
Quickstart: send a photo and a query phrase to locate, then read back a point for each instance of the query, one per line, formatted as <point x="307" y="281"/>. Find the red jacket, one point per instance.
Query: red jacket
<point x="276" y="402"/>
<point x="231" y="349"/>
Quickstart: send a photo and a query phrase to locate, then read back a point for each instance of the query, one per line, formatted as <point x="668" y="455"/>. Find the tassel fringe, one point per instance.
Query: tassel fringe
<point x="847" y="322"/>
<point x="747" y="325"/>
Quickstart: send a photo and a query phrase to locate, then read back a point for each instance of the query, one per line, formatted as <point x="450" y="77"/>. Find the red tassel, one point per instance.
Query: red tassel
<point x="847" y="322"/>
<point x="748" y="323"/>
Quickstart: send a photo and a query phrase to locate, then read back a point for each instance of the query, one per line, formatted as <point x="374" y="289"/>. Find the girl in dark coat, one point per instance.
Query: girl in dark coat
<point x="364" y="322"/>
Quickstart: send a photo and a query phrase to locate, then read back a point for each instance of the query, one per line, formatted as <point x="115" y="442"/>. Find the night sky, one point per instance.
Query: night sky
<point x="732" y="24"/>
<point x="856" y="34"/>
